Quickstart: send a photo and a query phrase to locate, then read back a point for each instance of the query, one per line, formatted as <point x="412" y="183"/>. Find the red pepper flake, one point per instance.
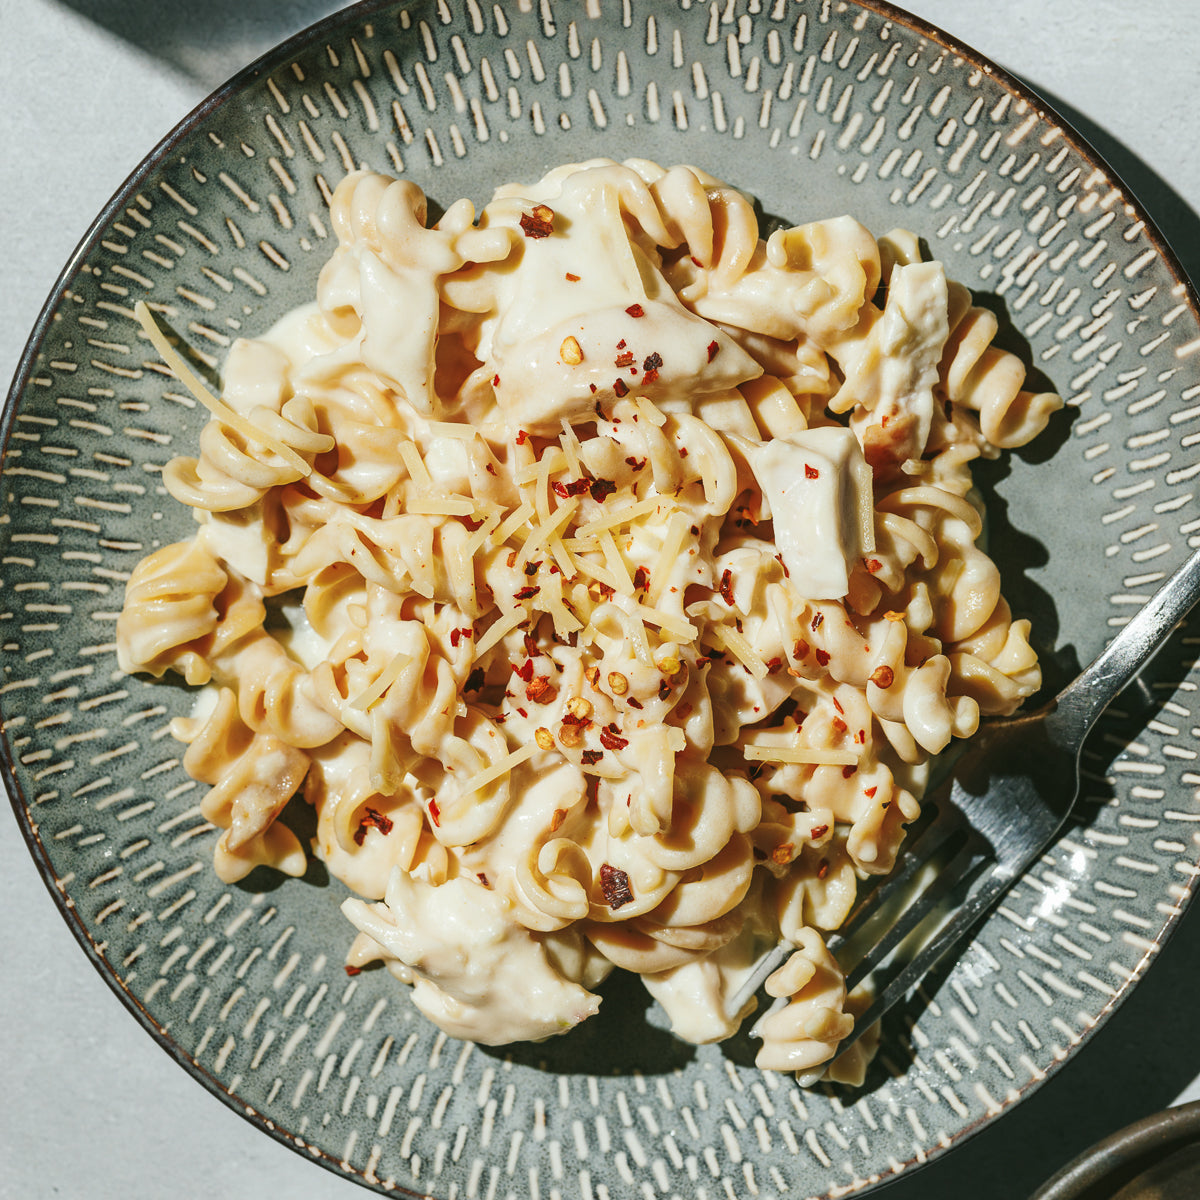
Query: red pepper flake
<point x="531" y="647"/>
<point x="664" y="689"/>
<point x="823" y="868"/>
<point x="591" y="757"/>
<point x="482" y="878"/>
<point x="435" y="813"/>
<point x="474" y="681"/>
<point x="373" y="818"/>
<point x="811" y="472"/>
<point x="531" y="567"/>
<point x="472" y="523"/>
<point x="636" y="310"/>
<point x="523" y="712"/>
<point x="683" y="452"/>
<point x="823" y="658"/>
<point x="539" y="223"/>
<point x="800" y="649"/>
<point x="601" y="489"/>
<point x="818" y="831"/>
<point x="774" y="665"/>
<point x="727" y="587"/>
<point x="652" y="362"/>
<point x="838" y="705"/>
<point x="861" y="737"/>
<point x="352" y="971"/>
<point x="593" y="387"/>
<point x="615" y="885"/>
<point x="526" y="593"/>
<point x="621" y="344"/>
<point x="870" y="792"/>
<point x="818" y="621"/>
<point x="650" y="375"/>
<point x="572" y="278"/>
<point x="541" y="690"/>
<point x="495" y="381"/>
<point x="456" y="635"/>
<point x="636" y="463"/>
<point x="874" y="565"/>
<point x="847" y="772"/>
<point x="525" y="671"/>
<point x="522" y="437"/>
<point x="713" y="349"/>
<point x="620" y="387"/>
<point x="573" y="487"/>
<point x="560" y="815"/>
<point x="624" y="360"/>
<point x="491" y="470"/>
<point x="634" y="702"/>
<point x="610" y="739"/>
<point x="839" y="725"/>
<point x="883" y="677"/>
<point x="606" y="590"/>
<point x="641" y="579"/>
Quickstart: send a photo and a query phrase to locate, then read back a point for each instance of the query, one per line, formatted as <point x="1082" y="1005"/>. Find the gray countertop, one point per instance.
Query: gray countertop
<point x="92" y="1107"/>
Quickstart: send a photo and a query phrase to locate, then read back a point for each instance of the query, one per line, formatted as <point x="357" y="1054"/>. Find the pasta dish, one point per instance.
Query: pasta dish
<point x="605" y="577"/>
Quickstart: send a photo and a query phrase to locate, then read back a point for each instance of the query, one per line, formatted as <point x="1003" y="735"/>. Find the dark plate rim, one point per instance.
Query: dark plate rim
<point x="269" y="61"/>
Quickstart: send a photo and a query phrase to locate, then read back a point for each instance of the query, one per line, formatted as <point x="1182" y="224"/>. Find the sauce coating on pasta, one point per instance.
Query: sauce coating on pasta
<point x="605" y="577"/>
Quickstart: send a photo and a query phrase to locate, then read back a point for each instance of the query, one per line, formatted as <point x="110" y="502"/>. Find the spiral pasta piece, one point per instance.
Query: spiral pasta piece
<point x="169" y="609"/>
<point x="980" y="376"/>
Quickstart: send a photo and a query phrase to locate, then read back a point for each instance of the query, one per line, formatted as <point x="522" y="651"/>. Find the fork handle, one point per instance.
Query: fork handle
<point x="1081" y="702"/>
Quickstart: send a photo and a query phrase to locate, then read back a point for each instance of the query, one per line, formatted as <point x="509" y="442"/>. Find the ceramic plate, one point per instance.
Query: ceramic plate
<point x="817" y="108"/>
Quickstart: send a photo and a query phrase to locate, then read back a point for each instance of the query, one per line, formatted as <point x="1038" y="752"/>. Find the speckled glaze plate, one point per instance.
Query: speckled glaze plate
<point x="817" y="108"/>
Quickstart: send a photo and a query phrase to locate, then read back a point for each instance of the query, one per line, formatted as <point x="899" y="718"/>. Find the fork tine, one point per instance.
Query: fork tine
<point x="965" y="860"/>
<point x="987" y="891"/>
<point x="945" y="824"/>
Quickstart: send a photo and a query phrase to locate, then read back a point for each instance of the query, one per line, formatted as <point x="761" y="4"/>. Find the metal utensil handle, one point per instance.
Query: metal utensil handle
<point x="1082" y="701"/>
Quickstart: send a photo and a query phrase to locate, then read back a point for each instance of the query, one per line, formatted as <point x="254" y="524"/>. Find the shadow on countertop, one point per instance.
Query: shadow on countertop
<point x="207" y="41"/>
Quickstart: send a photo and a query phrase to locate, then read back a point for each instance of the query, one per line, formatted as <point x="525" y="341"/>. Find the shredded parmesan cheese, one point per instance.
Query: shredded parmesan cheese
<point x="383" y="681"/>
<point x="651" y="412"/>
<point x="499" y="628"/>
<point x="541" y="533"/>
<point x="737" y="645"/>
<point x="623" y="516"/>
<point x="616" y="564"/>
<point x="551" y="463"/>
<point x="800" y="754"/>
<point x="482" y="534"/>
<point x="570" y="447"/>
<point x="661" y="572"/>
<point x="417" y="470"/>
<point x="513" y="522"/>
<point x="503" y="767"/>
<point x="675" y="627"/>
<point x="219" y="409"/>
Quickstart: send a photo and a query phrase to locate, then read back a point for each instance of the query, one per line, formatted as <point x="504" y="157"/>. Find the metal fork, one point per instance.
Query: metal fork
<point x="1011" y="792"/>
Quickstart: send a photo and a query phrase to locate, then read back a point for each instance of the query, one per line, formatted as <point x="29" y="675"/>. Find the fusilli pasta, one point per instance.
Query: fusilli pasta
<point x="605" y="577"/>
